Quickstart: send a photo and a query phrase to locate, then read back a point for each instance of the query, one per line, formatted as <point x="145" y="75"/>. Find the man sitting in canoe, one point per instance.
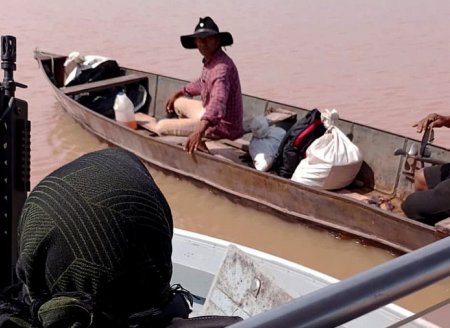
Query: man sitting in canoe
<point x="219" y="114"/>
<point x="430" y="202"/>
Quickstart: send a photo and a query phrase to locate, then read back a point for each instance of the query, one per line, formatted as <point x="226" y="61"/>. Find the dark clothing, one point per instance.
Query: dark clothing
<point x="432" y="205"/>
<point x="436" y="174"/>
<point x="293" y="146"/>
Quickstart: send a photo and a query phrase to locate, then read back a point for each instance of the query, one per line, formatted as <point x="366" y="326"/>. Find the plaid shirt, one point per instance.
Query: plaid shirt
<point x="220" y="91"/>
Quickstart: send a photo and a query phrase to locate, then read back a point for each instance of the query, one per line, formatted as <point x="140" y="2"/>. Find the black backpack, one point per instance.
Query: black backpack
<point x="293" y="147"/>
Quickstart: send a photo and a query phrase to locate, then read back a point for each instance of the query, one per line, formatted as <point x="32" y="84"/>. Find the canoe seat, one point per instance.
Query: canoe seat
<point x="104" y="84"/>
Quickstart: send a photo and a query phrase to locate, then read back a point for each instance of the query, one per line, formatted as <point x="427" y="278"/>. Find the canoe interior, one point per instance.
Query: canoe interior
<point x="381" y="170"/>
<point x="380" y="175"/>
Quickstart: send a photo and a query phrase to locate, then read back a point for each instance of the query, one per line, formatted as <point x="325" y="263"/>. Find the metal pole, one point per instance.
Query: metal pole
<point x="339" y="303"/>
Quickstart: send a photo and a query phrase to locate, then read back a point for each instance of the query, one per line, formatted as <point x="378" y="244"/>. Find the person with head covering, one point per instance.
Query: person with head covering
<point x="219" y="113"/>
<point x="95" y="247"/>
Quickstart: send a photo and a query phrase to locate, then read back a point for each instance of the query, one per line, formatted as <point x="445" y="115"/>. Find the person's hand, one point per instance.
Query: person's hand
<point x="171" y="101"/>
<point x="432" y="120"/>
<point x="194" y="141"/>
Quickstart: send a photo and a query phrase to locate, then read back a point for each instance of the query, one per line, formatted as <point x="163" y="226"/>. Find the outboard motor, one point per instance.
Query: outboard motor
<point x="14" y="160"/>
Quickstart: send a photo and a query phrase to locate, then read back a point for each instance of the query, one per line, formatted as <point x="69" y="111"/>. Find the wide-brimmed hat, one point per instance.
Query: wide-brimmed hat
<point x="206" y="27"/>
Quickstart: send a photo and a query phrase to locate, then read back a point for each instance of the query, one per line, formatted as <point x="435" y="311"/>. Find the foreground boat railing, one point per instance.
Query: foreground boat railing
<point x="339" y="303"/>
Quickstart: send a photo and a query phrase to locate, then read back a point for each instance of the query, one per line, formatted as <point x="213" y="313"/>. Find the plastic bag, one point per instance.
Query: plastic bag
<point x="332" y="161"/>
<point x="264" y="144"/>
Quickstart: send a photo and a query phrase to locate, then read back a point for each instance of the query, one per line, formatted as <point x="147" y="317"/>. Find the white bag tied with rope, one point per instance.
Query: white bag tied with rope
<point x="332" y="160"/>
<point x="264" y="144"/>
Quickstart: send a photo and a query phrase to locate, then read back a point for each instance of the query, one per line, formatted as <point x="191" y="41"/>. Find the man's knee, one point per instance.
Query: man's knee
<point x="429" y="206"/>
<point x="410" y="206"/>
<point x="189" y="108"/>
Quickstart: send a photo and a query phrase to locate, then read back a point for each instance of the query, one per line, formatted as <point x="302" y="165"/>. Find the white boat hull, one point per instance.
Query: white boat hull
<point x="232" y="279"/>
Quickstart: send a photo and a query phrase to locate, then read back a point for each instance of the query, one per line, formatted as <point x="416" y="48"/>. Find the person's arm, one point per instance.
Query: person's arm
<point x="171" y="101"/>
<point x="432" y="120"/>
<point x="191" y="89"/>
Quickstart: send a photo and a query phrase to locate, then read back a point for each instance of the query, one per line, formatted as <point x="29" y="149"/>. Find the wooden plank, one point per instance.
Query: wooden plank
<point x="273" y="116"/>
<point x="104" y="84"/>
<point x="240" y="143"/>
<point x="277" y="115"/>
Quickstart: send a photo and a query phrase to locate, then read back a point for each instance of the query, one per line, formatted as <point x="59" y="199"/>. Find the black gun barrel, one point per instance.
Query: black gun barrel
<point x="14" y="161"/>
<point x="9" y="64"/>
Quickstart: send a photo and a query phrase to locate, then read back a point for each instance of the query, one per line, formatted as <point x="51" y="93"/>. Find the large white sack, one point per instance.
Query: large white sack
<point x="332" y="161"/>
<point x="264" y="144"/>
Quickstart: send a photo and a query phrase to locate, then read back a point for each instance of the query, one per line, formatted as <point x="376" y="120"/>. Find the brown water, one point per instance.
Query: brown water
<point x="378" y="62"/>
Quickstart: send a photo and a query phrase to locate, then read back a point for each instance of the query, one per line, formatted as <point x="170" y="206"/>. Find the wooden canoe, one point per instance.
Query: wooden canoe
<point x="347" y="212"/>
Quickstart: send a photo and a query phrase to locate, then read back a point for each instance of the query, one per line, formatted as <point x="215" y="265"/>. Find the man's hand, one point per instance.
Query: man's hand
<point x="171" y="101"/>
<point x="194" y="141"/>
<point x="432" y="121"/>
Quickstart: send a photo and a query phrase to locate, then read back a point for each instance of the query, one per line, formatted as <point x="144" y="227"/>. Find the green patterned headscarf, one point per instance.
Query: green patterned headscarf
<point x="95" y="246"/>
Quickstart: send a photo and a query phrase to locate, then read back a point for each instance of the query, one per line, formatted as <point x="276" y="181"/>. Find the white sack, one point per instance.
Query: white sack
<point x="332" y="161"/>
<point x="264" y="144"/>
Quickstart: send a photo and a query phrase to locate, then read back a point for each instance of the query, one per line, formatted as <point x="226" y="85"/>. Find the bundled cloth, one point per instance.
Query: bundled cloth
<point x="264" y="144"/>
<point x="332" y="160"/>
<point x="82" y="69"/>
